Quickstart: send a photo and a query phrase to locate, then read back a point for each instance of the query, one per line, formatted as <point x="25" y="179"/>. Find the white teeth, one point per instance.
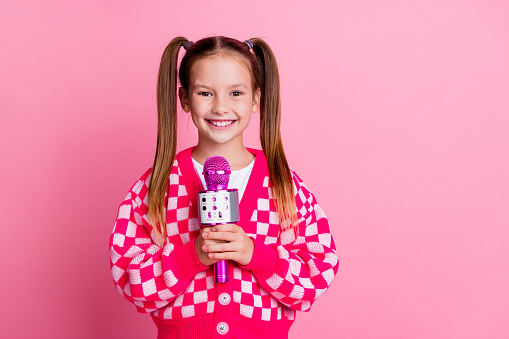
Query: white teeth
<point x="221" y="123"/>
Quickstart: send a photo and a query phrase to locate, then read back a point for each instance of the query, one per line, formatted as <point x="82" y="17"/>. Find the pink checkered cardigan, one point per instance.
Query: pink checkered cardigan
<point x="260" y="299"/>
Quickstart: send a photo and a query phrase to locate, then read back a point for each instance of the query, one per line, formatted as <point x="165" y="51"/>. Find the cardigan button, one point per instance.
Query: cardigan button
<point x="224" y="299"/>
<point x="222" y="328"/>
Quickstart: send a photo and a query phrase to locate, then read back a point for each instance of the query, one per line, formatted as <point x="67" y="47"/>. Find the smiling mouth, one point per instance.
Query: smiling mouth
<point x="221" y="123"/>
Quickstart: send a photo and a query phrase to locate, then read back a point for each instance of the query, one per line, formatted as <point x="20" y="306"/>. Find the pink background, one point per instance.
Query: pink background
<point x="396" y="115"/>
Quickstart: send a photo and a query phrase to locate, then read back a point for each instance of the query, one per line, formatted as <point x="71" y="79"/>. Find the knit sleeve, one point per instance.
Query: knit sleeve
<point x="296" y="271"/>
<point x="146" y="274"/>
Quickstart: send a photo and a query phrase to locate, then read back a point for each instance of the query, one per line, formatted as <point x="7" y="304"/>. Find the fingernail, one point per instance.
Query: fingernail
<point x="205" y="235"/>
<point x="204" y="248"/>
<point x="211" y="255"/>
<point x="214" y="229"/>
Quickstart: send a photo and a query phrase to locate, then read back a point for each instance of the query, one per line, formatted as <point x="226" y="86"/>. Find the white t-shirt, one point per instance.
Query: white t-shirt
<point x="238" y="178"/>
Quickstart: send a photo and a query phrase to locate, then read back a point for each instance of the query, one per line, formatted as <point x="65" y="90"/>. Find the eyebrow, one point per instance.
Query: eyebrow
<point x="200" y="85"/>
<point x="238" y="85"/>
<point x="232" y="86"/>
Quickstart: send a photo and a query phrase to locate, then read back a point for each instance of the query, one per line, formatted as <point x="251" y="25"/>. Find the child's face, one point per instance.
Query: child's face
<point x="220" y="100"/>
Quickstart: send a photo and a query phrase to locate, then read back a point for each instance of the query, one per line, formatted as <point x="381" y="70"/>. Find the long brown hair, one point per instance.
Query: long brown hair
<point x="265" y="76"/>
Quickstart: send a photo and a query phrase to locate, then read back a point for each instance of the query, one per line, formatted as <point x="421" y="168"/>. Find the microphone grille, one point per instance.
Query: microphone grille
<point x="216" y="171"/>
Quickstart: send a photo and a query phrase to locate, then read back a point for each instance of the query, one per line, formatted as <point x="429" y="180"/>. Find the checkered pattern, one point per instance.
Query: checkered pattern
<point x="198" y="298"/>
<point x="252" y="300"/>
<point x="154" y="278"/>
<point x="306" y="265"/>
<point x="142" y="270"/>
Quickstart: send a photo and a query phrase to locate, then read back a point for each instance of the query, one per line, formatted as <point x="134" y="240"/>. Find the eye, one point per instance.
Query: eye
<point x="205" y="94"/>
<point x="237" y="93"/>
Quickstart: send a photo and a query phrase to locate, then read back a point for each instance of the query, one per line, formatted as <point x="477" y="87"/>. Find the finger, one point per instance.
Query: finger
<point x="223" y="256"/>
<point x="224" y="236"/>
<point x="226" y="228"/>
<point x="213" y="242"/>
<point x="223" y="247"/>
<point x="205" y="230"/>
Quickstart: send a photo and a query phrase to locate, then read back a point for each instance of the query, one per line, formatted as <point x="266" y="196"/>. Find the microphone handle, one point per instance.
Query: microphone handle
<point x="221" y="271"/>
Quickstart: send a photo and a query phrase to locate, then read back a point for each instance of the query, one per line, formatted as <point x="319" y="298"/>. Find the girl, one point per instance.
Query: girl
<point x="281" y="253"/>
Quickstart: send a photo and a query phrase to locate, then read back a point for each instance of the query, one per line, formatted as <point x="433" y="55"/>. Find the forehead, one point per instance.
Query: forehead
<point x="220" y="70"/>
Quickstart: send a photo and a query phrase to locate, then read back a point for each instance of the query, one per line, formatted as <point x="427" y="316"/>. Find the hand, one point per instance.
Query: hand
<point x="231" y="243"/>
<point x="200" y="242"/>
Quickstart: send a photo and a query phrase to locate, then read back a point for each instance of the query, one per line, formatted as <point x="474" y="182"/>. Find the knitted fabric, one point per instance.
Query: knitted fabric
<point x="286" y="274"/>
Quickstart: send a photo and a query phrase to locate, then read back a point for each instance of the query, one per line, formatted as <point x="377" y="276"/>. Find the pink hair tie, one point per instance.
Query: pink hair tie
<point x="249" y="43"/>
<point x="186" y="46"/>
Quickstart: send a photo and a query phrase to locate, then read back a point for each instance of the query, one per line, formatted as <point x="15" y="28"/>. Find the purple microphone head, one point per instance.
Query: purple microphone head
<point x="216" y="171"/>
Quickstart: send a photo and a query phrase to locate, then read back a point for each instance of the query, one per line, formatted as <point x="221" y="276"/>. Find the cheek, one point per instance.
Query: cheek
<point x="245" y="104"/>
<point x="199" y="107"/>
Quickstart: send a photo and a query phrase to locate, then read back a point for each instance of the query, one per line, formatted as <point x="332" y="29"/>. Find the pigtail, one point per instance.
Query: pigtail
<point x="270" y="136"/>
<point x="166" y="136"/>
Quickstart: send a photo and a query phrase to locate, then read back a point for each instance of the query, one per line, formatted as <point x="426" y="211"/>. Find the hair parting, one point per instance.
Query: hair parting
<point x="265" y="76"/>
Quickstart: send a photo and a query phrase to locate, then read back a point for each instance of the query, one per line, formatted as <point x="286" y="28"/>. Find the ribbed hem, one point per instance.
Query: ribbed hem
<point x="184" y="262"/>
<point x="200" y="327"/>
<point x="189" y="328"/>
<point x="264" y="260"/>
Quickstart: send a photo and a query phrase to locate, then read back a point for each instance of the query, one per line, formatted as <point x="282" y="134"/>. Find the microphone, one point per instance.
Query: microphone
<point x="218" y="204"/>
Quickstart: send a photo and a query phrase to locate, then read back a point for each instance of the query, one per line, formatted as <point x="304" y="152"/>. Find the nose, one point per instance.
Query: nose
<point x="220" y="105"/>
